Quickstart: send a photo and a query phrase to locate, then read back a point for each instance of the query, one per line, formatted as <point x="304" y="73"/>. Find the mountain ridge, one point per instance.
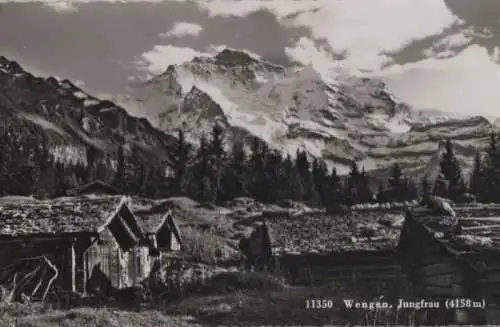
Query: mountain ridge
<point x="341" y="120"/>
<point x="78" y="131"/>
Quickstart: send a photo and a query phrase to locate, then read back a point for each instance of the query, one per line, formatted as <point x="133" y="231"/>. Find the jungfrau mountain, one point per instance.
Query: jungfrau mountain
<point x="340" y="119"/>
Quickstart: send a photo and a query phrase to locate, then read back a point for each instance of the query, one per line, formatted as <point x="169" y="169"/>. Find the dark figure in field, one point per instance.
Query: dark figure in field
<point x="100" y="284"/>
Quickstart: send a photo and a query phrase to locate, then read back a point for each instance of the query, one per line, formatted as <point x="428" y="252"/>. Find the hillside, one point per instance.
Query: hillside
<point x="343" y="119"/>
<point x="51" y="132"/>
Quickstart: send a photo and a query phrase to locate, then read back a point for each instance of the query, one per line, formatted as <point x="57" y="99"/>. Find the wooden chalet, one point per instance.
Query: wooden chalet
<point x="95" y="187"/>
<point x="161" y="231"/>
<point x="317" y="248"/>
<point x="74" y="234"/>
<point x="448" y="257"/>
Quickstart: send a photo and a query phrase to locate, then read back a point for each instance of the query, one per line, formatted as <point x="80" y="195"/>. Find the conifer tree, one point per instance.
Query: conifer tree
<point x="119" y="179"/>
<point x="477" y="181"/>
<point x="181" y="158"/>
<point x="217" y="157"/>
<point x="234" y="181"/>
<point x="273" y="163"/>
<point x="320" y="180"/>
<point x="202" y="189"/>
<point x="293" y="190"/>
<point x="450" y="182"/>
<point x="304" y="170"/>
<point x="334" y="189"/>
<point x="411" y="190"/>
<point x="396" y="184"/>
<point x="425" y="187"/>
<point x="492" y="171"/>
<point x="382" y="193"/>
<point x="364" y="191"/>
<point x="351" y="193"/>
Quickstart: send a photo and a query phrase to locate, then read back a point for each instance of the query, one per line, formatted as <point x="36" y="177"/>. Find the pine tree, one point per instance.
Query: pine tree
<point x="425" y="187"/>
<point x="201" y="185"/>
<point x="256" y="172"/>
<point x="351" y="193"/>
<point x="450" y="181"/>
<point x="396" y="185"/>
<point x="181" y="157"/>
<point x="334" y="189"/>
<point x="234" y="181"/>
<point x="411" y="189"/>
<point x="273" y="163"/>
<point x="492" y="171"/>
<point x="293" y="190"/>
<point x="119" y="179"/>
<point x="382" y="193"/>
<point x="304" y="170"/>
<point x="477" y="181"/>
<point x="365" y="194"/>
<point x="320" y="180"/>
<point x="217" y="157"/>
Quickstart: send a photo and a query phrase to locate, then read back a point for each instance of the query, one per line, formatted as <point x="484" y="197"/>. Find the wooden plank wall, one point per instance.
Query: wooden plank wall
<point x="437" y="273"/>
<point x="311" y="270"/>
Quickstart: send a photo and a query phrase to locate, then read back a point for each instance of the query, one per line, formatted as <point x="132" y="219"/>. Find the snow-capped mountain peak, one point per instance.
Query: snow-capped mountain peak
<point x="344" y="119"/>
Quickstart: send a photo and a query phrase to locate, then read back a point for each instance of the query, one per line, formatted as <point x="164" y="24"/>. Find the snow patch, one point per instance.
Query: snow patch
<point x="45" y="124"/>
<point x="69" y="154"/>
<point x="80" y="95"/>
<point x="90" y="102"/>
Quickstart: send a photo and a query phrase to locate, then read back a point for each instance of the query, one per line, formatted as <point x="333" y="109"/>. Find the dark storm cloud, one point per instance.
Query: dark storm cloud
<point x="481" y="14"/>
<point x="477" y="20"/>
<point x="99" y="42"/>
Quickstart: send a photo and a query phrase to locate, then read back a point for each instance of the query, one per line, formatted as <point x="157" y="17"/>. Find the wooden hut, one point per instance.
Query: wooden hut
<point x="162" y="232"/>
<point x="317" y="248"/>
<point x="74" y="234"/>
<point x="455" y="257"/>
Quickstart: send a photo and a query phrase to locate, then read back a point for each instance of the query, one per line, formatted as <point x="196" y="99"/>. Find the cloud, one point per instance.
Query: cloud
<point x="465" y="83"/>
<point x="364" y="29"/>
<point x="214" y="49"/>
<point x="241" y="8"/>
<point x="70" y="6"/>
<point x="156" y="60"/>
<point x="181" y="29"/>
<point x="160" y="57"/>
<point x="306" y="52"/>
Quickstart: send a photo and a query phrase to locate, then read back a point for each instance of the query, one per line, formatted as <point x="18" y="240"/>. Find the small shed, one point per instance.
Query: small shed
<point x="95" y="187"/>
<point x="318" y="248"/>
<point x="455" y="257"/>
<point x="162" y="232"/>
<point x="74" y="234"/>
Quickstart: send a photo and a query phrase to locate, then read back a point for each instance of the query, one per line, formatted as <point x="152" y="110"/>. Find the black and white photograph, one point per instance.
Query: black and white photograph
<point x="249" y="163"/>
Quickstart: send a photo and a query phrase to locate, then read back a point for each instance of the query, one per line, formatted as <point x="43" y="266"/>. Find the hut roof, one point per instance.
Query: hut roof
<point x="97" y="186"/>
<point x="323" y="233"/>
<point x="478" y="228"/>
<point x="152" y="221"/>
<point x="58" y="216"/>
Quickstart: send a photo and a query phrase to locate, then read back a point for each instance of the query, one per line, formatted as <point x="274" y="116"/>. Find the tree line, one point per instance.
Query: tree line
<point x="210" y="173"/>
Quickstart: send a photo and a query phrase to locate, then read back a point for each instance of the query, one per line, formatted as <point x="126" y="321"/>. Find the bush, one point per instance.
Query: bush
<point x="205" y="247"/>
<point x="227" y="282"/>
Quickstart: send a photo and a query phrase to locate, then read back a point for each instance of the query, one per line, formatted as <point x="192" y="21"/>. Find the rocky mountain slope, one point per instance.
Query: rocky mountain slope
<point x="343" y="119"/>
<point x="77" y="129"/>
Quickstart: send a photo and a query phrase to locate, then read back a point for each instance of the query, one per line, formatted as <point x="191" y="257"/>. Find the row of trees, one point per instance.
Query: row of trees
<point x="209" y="173"/>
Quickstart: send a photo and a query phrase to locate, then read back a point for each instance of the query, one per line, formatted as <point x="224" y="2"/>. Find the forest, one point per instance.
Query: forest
<point x="210" y="173"/>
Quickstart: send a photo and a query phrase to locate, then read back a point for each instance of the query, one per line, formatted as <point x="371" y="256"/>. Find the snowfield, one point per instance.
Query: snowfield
<point x="342" y="119"/>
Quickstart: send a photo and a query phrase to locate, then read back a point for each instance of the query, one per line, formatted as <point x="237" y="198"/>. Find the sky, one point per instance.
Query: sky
<point x="433" y="54"/>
